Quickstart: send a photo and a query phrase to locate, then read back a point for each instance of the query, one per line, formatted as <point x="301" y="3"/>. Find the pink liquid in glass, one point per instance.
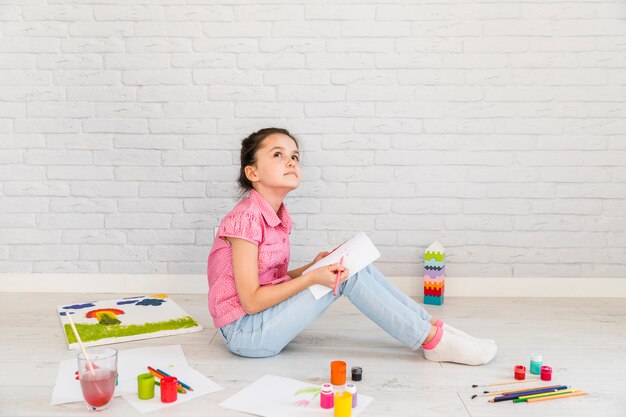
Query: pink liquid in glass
<point x="98" y="389"/>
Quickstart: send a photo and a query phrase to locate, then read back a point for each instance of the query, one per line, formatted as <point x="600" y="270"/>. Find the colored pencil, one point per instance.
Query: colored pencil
<point x="179" y="381"/>
<point x="159" y="375"/>
<point x="505" y="383"/>
<point x="556" y="397"/>
<point x="545" y="394"/>
<point x="179" y="389"/>
<point x="510" y="397"/>
<point x="506" y="392"/>
<point x="337" y="279"/>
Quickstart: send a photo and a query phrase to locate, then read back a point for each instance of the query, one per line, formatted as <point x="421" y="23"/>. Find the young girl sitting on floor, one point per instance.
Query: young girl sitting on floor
<point x="260" y="306"/>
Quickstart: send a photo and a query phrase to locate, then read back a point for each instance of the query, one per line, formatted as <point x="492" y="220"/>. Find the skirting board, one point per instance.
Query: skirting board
<point x="413" y="286"/>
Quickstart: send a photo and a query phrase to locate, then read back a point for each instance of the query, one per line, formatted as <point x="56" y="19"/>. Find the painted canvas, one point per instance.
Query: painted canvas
<point x="125" y="319"/>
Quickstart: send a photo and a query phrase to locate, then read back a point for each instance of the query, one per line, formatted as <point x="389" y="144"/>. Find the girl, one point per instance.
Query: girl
<point x="260" y="306"/>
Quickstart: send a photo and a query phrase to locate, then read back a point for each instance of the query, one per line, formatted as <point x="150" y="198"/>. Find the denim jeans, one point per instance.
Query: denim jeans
<point x="266" y="333"/>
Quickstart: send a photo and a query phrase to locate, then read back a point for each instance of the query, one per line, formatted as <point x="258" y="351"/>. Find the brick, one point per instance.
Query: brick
<point x="130" y="12"/>
<point x="198" y="13"/>
<point x="115" y="125"/>
<point x="48" y="188"/>
<point x="44" y="252"/>
<point x="68" y="13"/>
<point x="86" y="237"/>
<point x="61" y="110"/>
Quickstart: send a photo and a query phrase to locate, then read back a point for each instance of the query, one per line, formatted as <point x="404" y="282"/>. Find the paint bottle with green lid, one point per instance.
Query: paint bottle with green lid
<point x="536" y="360"/>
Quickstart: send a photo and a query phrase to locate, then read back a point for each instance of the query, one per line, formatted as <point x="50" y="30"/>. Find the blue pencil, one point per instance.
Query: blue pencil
<point x="529" y="392"/>
<point x="179" y="381"/>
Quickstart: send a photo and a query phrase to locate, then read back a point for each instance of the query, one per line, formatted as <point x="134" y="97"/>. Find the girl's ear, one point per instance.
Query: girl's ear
<point x="250" y="172"/>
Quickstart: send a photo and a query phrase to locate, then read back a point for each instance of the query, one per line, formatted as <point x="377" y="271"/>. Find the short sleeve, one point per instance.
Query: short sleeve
<point x="243" y="225"/>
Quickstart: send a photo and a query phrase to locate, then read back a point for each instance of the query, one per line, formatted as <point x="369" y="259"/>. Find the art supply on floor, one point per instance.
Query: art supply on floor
<point x="536" y="360"/>
<point x="145" y="386"/>
<point x="338" y="373"/>
<point x="434" y="274"/>
<point x="503" y="383"/>
<point x="80" y="343"/>
<point x="545" y="394"/>
<point x="327" y="396"/>
<point x="510" y="397"/>
<point x="179" y="381"/>
<point x="546" y="373"/>
<point x="556" y="397"/>
<point x="357" y="373"/>
<point x="506" y="392"/>
<point x="520" y="372"/>
<point x="169" y="389"/>
<point x="121" y="320"/>
<point x="343" y="404"/>
<point x="275" y="396"/>
<point x="160" y="376"/>
<point x="351" y="388"/>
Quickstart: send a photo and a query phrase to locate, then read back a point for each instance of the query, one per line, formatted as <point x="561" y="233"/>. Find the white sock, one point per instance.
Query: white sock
<point x="453" y="347"/>
<point x="449" y="328"/>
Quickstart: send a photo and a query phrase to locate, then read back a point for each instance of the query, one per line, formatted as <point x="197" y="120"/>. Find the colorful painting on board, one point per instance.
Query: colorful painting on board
<point x="125" y="319"/>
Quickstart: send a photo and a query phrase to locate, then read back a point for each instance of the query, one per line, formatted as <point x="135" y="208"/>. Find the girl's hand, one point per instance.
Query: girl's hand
<point x="326" y="275"/>
<point x="320" y="256"/>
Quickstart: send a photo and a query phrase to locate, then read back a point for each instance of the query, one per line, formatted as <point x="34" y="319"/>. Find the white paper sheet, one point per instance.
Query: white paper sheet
<point x="273" y="396"/>
<point x="201" y="386"/>
<point x="358" y="252"/>
<point x="131" y="363"/>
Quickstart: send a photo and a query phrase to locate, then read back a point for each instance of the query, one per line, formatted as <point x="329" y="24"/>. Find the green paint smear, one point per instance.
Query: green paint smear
<point x="97" y="331"/>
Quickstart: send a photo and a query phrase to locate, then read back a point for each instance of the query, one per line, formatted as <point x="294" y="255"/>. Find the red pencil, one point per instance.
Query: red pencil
<point x="337" y="279"/>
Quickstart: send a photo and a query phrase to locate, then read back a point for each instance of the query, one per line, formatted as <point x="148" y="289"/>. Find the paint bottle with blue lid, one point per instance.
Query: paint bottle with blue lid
<point x="536" y="360"/>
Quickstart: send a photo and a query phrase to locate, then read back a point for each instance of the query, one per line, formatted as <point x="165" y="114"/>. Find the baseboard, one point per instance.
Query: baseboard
<point x="197" y="284"/>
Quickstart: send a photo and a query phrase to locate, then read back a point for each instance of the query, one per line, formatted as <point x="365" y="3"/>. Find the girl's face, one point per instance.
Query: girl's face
<point x="277" y="165"/>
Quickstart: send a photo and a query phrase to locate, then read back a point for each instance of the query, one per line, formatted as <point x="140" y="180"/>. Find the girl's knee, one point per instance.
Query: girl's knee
<point x="254" y="352"/>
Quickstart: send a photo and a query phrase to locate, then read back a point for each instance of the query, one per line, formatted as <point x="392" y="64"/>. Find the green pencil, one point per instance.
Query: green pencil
<point x="545" y="394"/>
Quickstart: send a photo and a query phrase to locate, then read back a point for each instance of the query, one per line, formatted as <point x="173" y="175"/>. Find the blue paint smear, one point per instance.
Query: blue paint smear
<point x="79" y="306"/>
<point x="150" y="302"/>
<point x="119" y="303"/>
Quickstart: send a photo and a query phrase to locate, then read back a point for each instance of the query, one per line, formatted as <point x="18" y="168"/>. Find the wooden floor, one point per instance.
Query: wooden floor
<point x="584" y="340"/>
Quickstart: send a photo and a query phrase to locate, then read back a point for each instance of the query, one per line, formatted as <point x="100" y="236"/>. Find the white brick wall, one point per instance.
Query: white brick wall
<point x="498" y="128"/>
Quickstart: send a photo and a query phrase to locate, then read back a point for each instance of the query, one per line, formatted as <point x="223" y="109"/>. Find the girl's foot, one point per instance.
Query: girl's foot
<point x="447" y="327"/>
<point x="448" y="346"/>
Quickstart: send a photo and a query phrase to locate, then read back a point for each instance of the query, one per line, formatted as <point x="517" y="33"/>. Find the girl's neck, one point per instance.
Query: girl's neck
<point x="273" y="197"/>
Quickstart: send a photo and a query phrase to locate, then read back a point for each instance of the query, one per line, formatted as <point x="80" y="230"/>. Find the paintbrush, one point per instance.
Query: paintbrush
<point x="505" y="383"/>
<point x="494" y="393"/>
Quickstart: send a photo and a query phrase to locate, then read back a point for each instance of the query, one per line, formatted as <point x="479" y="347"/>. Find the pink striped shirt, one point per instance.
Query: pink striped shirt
<point x="252" y="219"/>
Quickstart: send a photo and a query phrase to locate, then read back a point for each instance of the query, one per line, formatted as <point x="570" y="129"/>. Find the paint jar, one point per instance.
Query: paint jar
<point x="343" y="404"/>
<point x="546" y="373"/>
<point x="536" y="360"/>
<point x="327" y="396"/>
<point x="169" y="389"/>
<point x="520" y="372"/>
<point x="351" y="388"/>
<point x="338" y="372"/>
<point x="145" y="386"/>
<point x="357" y="373"/>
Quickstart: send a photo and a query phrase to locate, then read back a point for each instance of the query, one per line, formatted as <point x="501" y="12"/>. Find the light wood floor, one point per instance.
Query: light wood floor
<point x="584" y="340"/>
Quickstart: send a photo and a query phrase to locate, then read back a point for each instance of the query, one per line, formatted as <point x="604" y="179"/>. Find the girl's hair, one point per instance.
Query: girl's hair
<point x="249" y="146"/>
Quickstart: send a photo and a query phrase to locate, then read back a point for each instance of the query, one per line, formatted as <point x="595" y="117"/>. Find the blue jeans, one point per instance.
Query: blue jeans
<point x="266" y="333"/>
